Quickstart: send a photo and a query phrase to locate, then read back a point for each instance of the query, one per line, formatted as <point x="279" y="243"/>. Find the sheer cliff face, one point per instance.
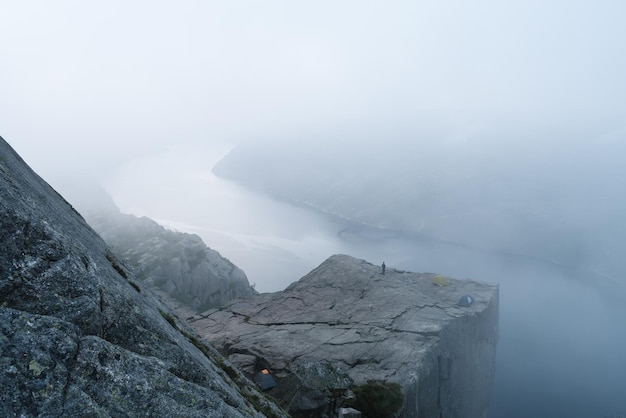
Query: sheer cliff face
<point x="398" y="327"/>
<point x="178" y="265"/>
<point x="79" y="334"/>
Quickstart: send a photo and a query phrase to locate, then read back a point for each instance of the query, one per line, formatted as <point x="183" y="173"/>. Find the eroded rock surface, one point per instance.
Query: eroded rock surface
<point x="81" y="336"/>
<point x="398" y="327"/>
<point x="177" y="265"/>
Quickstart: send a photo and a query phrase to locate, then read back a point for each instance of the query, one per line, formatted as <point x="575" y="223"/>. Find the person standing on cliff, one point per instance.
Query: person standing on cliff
<point x="384" y="267"/>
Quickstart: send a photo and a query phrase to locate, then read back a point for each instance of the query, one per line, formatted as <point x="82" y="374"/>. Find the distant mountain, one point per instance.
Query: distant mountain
<point x="81" y="336"/>
<point x="546" y="192"/>
<point x="178" y="266"/>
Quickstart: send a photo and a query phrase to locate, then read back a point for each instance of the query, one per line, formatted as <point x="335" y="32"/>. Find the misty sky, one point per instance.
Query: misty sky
<point x="84" y="85"/>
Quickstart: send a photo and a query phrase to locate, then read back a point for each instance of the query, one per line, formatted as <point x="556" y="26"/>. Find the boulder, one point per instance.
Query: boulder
<point x="349" y="413"/>
<point x="314" y="389"/>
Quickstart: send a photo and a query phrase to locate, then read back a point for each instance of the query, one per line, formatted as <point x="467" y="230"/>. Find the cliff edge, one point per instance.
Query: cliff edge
<point x="401" y="327"/>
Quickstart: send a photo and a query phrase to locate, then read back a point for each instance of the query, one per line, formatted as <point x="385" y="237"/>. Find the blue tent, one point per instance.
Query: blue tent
<point x="466" y="300"/>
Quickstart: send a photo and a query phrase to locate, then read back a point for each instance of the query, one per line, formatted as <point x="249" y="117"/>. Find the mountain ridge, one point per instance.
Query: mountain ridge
<point x="178" y="266"/>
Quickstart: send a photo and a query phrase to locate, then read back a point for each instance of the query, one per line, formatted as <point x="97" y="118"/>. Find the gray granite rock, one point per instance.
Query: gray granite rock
<point x="314" y="389"/>
<point x="349" y="413"/>
<point x="80" y="335"/>
<point x="177" y="265"/>
<point x="399" y="327"/>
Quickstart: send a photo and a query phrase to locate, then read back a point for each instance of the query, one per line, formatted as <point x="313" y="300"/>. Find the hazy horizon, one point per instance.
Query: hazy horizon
<point x="88" y="86"/>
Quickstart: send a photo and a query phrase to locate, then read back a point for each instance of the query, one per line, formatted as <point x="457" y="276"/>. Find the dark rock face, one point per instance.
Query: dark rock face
<point x="175" y="264"/>
<point x="398" y="328"/>
<point x="80" y="335"/>
<point x="314" y="389"/>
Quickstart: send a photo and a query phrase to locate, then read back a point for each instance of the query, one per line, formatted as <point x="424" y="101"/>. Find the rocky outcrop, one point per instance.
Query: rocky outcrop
<point x="178" y="266"/>
<point x="80" y="335"/>
<point x="399" y="328"/>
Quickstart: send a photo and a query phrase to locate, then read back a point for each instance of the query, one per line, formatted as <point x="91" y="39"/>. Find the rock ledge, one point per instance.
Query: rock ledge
<point x="399" y="327"/>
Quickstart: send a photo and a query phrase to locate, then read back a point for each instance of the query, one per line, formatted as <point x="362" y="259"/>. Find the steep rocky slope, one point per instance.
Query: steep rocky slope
<point x="81" y="336"/>
<point x="178" y="266"/>
<point x="401" y="327"/>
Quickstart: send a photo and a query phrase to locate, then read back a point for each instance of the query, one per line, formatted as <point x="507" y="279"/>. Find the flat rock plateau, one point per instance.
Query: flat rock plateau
<point x="400" y="327"/>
